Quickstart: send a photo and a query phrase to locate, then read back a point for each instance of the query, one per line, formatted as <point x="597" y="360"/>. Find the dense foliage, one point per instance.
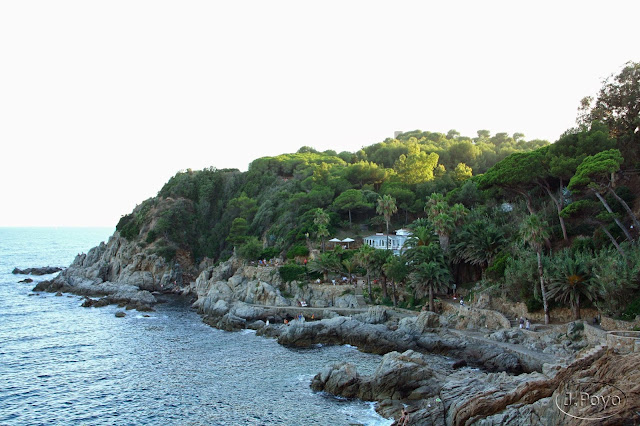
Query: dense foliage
<point x="547" y="224"/>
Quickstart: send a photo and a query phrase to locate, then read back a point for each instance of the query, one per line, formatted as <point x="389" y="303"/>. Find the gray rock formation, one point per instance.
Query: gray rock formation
<point x="37" y="271"/>
<point x="118" y="269"/>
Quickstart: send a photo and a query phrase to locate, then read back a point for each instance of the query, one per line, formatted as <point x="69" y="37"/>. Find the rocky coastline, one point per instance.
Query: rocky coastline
<point x="454" y="368"/>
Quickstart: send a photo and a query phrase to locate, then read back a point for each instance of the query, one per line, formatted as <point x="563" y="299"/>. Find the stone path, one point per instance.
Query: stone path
<point x="517" y="349"/>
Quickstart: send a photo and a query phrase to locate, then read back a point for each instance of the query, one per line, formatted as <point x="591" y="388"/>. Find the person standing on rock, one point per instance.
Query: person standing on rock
<point x="527" y="324"/>
<point x="521" y="322"/>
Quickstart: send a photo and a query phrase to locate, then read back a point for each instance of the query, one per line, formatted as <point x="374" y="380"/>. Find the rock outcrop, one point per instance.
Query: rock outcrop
<point x="118" y="269"/>
<point x="233" y="281"/>
<point x="46" y="270"/>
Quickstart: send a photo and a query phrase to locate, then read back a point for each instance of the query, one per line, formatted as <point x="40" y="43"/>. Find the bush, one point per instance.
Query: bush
<point x="291" y="272"/>
<point x="297" y="250"/>
<point x="168" y="252"/>
<point x="269" y="253"/>
<point x="251" y="249"/>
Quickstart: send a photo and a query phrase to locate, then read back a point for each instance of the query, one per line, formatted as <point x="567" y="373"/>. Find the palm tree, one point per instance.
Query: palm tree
<point x="387" y="207"/>
<point x="428" y="270"/>
<point x="349" y="266"/>
<point x="534" y="231"/>
<point x="363" y="257"/>
<point x="570" y="278"/>
<point x="324" y="264"/>
<point x="421" y="236"/>
<point x="321" y="219"/>
<point x="443" y="217"/>
<point x="396" y="269"/>
<point x="478" y="243"/>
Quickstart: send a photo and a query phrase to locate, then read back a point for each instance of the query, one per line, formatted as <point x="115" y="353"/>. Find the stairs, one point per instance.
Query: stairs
<point x="515" y="322"/>
<point x="362" y="303"/>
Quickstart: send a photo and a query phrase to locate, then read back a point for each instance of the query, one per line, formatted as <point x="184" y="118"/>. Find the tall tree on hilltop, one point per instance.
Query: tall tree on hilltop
<point x="618" y="106"/>
<point x="534" y="231"/>
<point x="596" y="173"/>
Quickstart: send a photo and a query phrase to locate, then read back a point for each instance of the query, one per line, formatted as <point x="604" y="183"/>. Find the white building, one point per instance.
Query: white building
<point x="396" y="242"/>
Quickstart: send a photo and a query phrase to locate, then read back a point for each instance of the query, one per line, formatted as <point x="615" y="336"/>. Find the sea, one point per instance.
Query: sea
<point x="62" y="364"/>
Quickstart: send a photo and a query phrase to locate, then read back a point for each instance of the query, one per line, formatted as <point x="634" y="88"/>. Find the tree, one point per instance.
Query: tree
<point x="351" y="199"/>
<point x="364" y="258"/>
<point x="570" y="278"/>
<point x="238" y="231"/>
<point x="251" y="249"/>
<point x="386" y="208"/>
<point x="428" y="270"/>
<point x="321" y="220"/>
<point x="478" y="243"/>
<point x="596" y="173"/>
<point x="443" y="217"/>
<point x="618" y="106"/>
<point x="417" y="166"/>
<point x="397" y="271"/>
<point x="462" y="172"/>
<point x="534" y="231"/>
<point x="564" y="156"/>
<point x="327" y="262"/>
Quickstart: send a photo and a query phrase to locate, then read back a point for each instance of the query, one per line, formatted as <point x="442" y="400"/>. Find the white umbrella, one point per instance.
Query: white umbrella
<point x="348" y="240"/>
<point x="335" y="240"/>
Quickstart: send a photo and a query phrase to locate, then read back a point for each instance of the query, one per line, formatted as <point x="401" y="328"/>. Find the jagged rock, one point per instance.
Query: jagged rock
<point x="26" y="280"/>
<point x="230" y="322"/>
<point x="248" y="312"/>
<point x="425" y="322"/>
<point x="37" y="271"/>
<point x="374" y="315"/>
<point x="407" y="375"/>
<point x="59" y="294"/>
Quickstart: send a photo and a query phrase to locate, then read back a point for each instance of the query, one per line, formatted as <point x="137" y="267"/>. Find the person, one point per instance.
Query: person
<point x="286" y="322"/>
<point x="527" y="324"/>
<point x="461" y="302"/>
<point x="404" y="419"/>
<point x="521" y="322"/>
<point x="267" y="324"/>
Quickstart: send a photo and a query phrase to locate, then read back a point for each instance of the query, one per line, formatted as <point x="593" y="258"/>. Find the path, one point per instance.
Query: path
<point x="529" y="357"/>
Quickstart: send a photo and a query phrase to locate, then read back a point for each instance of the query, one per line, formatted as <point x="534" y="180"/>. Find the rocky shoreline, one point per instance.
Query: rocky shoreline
<point x="457" y="368"/>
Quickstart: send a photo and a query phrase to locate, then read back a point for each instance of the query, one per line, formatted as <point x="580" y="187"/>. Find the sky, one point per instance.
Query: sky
<point x="101" y="102"/>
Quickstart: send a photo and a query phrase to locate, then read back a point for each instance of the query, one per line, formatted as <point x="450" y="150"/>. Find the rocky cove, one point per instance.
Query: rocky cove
<point x="463" y="366"/>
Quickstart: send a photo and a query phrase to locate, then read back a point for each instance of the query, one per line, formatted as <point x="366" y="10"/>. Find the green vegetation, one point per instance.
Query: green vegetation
<point x="547" y="224"/>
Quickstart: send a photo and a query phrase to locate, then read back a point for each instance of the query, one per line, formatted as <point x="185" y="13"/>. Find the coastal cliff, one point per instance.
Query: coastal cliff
<point x="119" y="270"/>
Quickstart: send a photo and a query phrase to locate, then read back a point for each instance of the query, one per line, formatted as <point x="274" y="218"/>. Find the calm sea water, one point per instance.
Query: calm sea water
<point x="64" y="364"/>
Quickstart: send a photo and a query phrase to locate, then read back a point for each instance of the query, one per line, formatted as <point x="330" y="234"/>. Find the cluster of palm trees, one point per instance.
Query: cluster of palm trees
<point x="450" y="235"/>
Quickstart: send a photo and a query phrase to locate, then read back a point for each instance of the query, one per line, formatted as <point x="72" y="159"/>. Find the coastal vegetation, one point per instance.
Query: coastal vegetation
<point x="549" y="224"/>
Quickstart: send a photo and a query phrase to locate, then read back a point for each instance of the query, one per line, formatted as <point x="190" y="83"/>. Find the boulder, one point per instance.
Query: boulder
<point x="230" y="322"/>
<point x="120" y="314"/>
<point x="374" y="315"/>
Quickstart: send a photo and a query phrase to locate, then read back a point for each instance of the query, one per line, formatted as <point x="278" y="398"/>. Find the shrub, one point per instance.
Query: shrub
<point x="291" y="272"/>
<point x="251" y="249"/>
<point x="297" y="250"/>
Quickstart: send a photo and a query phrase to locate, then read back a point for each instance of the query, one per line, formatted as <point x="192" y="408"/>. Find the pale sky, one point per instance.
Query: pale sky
<point x="102" y="102"/>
